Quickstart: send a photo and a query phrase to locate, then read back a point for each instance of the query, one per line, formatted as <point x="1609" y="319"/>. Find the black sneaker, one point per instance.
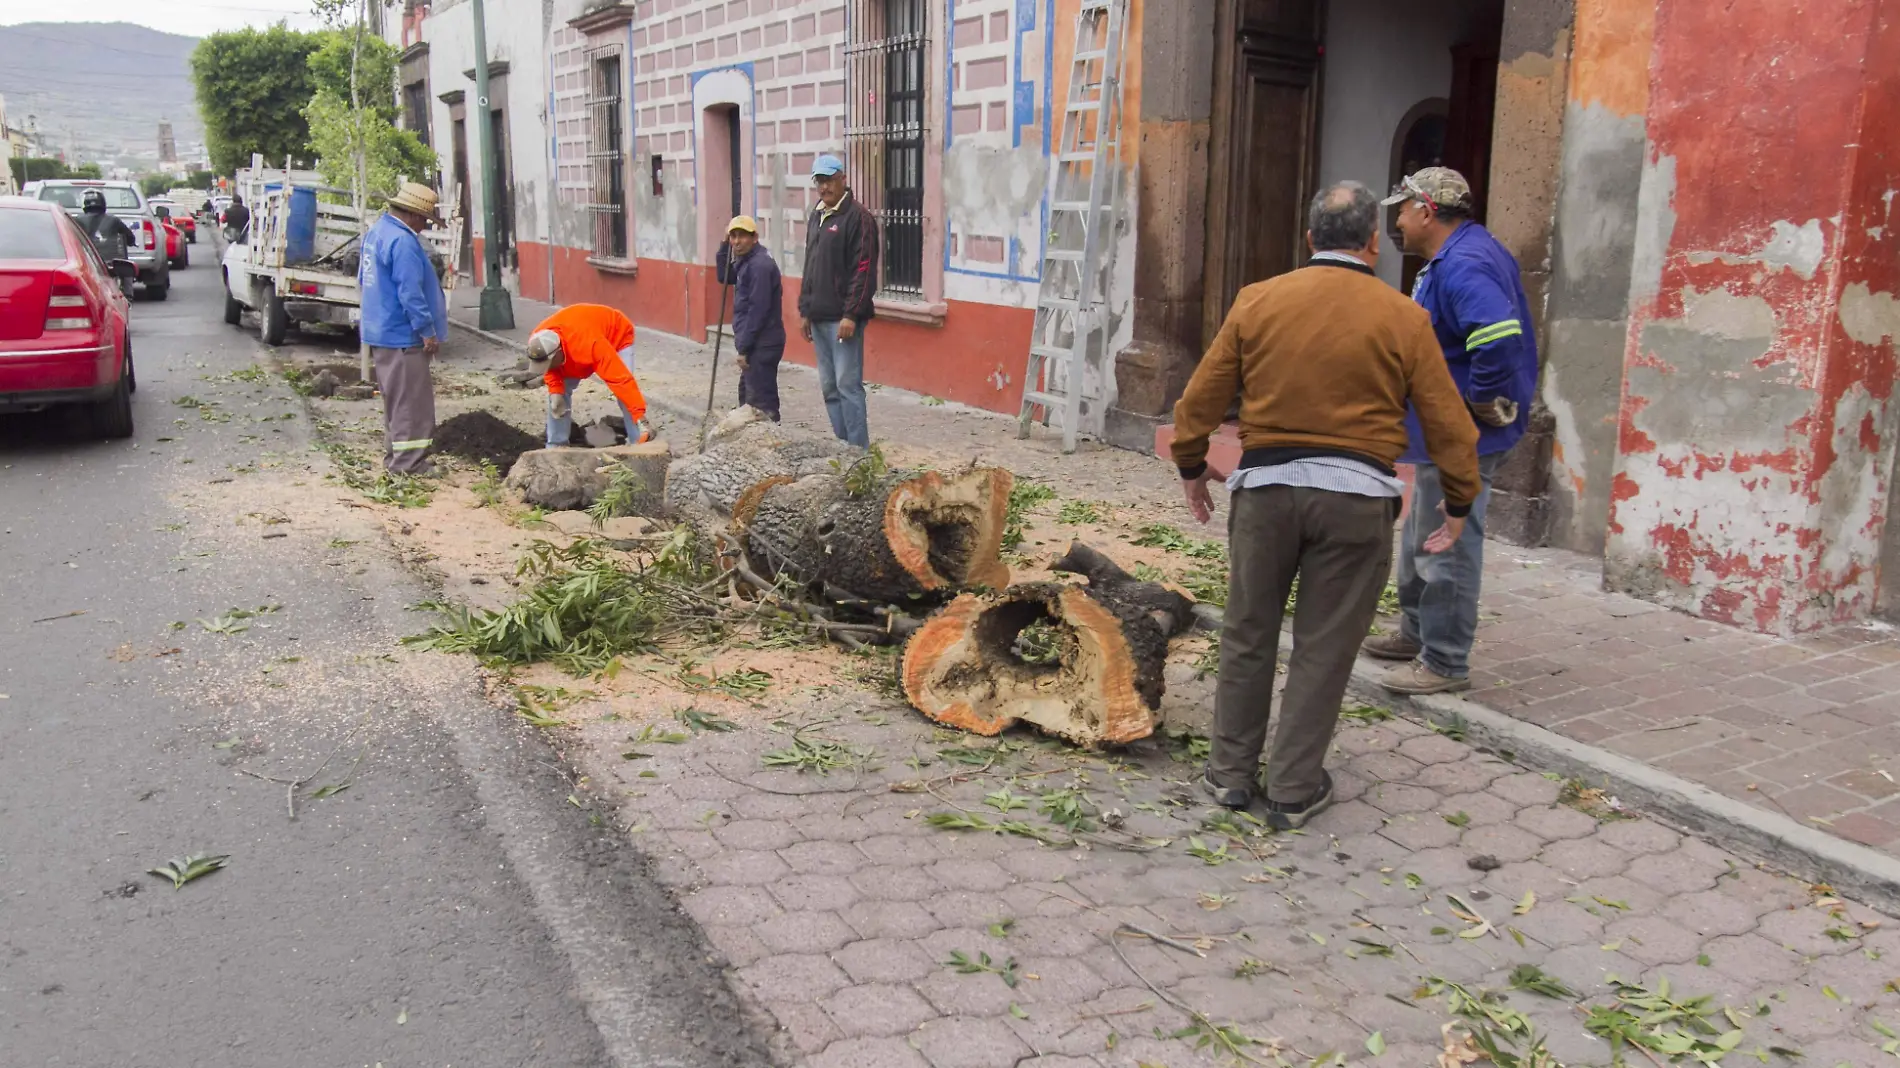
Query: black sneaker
<point x="1284" y="816"/>
<point x="1227" y="798"/>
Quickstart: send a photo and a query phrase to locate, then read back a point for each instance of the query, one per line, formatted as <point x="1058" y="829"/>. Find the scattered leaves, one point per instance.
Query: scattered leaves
<point x="964" y="964"/>
<point x="181" y="870"/>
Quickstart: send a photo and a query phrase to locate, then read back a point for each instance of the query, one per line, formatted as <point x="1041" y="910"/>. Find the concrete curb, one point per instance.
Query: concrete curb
<point x="1863" y="874"/>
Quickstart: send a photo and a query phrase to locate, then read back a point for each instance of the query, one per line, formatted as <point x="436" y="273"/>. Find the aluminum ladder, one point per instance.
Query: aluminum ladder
<point x="1068" y="351"/>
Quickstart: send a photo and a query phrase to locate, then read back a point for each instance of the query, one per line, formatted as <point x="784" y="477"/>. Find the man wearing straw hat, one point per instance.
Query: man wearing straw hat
<point x="405" y="319"/>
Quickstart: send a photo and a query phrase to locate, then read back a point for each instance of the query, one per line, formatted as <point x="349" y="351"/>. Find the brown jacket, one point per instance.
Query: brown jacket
<point x="1325" y="359"/>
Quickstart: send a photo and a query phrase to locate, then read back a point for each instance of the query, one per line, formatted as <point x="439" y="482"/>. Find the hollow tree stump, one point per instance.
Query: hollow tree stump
<point x="965" y="668"/>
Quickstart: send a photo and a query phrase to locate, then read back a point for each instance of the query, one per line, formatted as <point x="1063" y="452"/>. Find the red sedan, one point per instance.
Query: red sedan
<point x="64" y="320"/>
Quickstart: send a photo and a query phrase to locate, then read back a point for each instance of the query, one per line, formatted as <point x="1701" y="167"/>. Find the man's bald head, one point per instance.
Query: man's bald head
<point x="1343" y="218"/>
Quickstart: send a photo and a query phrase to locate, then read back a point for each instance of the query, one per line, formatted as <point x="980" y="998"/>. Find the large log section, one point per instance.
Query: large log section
<point x="1094" y="677"/>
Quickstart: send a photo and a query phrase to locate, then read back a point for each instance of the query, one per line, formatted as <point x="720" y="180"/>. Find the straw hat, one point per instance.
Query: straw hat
<point x="414" y="197"/>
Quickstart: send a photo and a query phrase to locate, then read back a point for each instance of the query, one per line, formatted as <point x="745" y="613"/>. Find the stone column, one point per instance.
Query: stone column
<point x="1177" y="51"/>
<point x="1526" y="142"/>
<point x="1587" y="315"/>
<point x="1756" y="435"/>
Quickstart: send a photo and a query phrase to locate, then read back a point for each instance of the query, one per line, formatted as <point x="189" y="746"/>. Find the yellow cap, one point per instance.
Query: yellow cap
<point x="742" y="222"/>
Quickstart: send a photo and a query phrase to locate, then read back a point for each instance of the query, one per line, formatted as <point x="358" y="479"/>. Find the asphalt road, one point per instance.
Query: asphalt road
<point x="450" y="907"/>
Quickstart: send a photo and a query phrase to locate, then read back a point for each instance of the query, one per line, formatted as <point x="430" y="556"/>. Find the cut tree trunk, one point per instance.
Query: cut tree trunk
<point x="1097" y="680"/>
<point x="562" y="479"/>
<point x="1172" y="610"/>
<point x="705" y="488"/>
<point x="909" y="538"/>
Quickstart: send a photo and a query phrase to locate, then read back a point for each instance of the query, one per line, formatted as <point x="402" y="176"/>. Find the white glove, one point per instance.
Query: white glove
<point x="559" y="405"/>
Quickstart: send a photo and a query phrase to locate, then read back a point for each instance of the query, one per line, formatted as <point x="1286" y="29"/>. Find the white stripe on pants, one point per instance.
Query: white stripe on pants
<point x="408" y="408"/>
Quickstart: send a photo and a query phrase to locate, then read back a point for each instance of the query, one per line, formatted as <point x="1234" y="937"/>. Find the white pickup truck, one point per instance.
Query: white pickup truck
<point x="295" y="262"/>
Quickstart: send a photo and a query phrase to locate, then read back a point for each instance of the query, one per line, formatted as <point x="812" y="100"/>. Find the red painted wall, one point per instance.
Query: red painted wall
<point x="976" y="357"/>
<point x="1779" y="207"/>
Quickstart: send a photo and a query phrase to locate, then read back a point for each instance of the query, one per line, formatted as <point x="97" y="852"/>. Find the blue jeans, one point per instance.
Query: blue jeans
<point x="561" y="426"/>
<point x="841" y="380"/>
<point x="1438" y="594"/>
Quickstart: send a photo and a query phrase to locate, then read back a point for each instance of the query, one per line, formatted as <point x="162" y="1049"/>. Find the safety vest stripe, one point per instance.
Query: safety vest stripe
<point x="409" y="446"/>
<point x="1485" y="335"/>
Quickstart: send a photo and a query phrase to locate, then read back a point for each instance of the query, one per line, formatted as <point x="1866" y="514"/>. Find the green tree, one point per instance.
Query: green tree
<point x="154" y="184"/>
<point x="390" y="154"/>
<point x="201" y="179"/>
<point x="36" y="168"/>
<point x="252" y="88"/>
<point x="87" y="170"/>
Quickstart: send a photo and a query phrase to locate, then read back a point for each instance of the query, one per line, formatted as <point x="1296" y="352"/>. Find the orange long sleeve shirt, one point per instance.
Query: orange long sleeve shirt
<point x="592" y="336"/>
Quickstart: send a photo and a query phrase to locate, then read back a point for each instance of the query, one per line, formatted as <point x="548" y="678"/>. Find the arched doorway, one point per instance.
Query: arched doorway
<point x="1418" y="142"/>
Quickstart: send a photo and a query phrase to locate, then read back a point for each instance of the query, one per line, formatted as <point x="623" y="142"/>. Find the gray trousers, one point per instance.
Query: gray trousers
<point x="408" y="408"/>
<point x="1340" y="546"/>
<point x="1438" y="595"/>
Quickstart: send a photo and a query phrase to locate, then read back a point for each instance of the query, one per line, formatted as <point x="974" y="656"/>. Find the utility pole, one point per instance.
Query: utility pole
<point x="359" y="184"/>
<point x="498" y="311"/>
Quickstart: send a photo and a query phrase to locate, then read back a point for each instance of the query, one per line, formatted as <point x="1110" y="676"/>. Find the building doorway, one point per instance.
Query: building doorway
<point x="1311" y="92"/>
<point x="504" y="186"/>
<point x="459" y="167"/>
<point x="723" y="167"/>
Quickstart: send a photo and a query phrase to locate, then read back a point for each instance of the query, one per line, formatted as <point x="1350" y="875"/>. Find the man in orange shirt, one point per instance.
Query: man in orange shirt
<point x="576" y="343"/>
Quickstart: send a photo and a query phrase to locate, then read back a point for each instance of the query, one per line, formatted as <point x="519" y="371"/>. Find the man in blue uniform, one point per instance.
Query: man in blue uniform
<point x="1472" y="290"/>
<point x="758" y="313"/>
<point x="405" y="319"/>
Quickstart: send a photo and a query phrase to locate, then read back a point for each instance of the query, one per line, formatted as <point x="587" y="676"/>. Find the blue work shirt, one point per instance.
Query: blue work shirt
<point x="758" y="299"/>
<point x="402" y="298"/>
<point x="1483" y="321"/>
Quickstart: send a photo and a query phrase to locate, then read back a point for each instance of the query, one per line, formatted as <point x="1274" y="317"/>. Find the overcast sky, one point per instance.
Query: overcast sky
<point x="193" y="18"/>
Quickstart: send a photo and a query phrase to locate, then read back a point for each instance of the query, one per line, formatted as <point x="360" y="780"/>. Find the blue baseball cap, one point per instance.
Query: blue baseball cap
<point x="827" y="166"/>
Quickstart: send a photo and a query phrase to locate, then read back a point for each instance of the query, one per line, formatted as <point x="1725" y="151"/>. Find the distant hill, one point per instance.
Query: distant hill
<point x="108" y="84"/>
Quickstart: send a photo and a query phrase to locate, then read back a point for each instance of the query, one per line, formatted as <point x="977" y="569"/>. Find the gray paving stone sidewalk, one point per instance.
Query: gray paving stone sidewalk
<point x="842" y="909"/>
<point x="1808" y="728"/>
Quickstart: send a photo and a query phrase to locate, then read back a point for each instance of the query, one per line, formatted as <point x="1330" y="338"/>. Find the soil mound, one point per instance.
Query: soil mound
<point x="481" y="436"/>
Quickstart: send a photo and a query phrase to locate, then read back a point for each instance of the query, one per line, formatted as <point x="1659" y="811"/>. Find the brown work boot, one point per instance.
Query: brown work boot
<point x="1391" y="647"/>
<point x="1416" y="680"/>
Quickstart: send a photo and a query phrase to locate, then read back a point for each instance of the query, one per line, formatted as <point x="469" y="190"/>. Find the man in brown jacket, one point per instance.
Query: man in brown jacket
<point x="1324" y="360"/>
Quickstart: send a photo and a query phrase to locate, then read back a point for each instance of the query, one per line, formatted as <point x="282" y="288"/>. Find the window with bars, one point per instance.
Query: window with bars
<point x="606" y="153"/>
<point x="886" y="62"/>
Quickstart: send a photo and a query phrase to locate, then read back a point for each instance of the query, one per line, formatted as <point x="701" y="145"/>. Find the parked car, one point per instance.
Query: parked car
<point x="124" y="200"/>
<point x="186" y="222"/>
<point x="65" y="336"/>
<point x="177" y="252"/>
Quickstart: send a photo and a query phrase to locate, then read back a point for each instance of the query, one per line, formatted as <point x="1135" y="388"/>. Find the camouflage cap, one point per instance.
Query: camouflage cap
<point x="1435" y="186"/>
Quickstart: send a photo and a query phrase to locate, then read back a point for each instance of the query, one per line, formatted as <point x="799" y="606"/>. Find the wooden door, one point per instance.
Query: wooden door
<point x="1266" y="160"/>
<point x="1474" y="102"/>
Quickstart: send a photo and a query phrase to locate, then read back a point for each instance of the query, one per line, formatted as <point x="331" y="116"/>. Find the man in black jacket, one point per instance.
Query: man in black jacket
<point x="758" y="314"/>
<point x="835" y="298"/>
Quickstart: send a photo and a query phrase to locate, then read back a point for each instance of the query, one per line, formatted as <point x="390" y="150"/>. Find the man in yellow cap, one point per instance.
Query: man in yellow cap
<point x="758" y="313"/>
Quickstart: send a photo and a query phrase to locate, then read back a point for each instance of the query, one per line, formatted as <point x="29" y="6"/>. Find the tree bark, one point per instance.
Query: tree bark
<point x="707" y="487"/>
<point x="965" y="668"/>
<point x="911" y="538"/>
<point x="1172" y="610"/>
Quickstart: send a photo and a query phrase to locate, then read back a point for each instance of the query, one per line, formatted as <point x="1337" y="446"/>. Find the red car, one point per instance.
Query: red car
<point x="65" y="337"/>
<point x="180" y="231"/>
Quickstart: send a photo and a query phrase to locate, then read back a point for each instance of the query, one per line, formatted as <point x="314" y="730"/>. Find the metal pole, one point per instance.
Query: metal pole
<point x="712" y="387"/>
<point x="498" y="312"/>
<point x="364" y="368"/>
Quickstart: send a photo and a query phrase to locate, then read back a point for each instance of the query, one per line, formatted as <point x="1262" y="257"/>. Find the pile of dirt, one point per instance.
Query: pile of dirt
<point x="481" y="436"/>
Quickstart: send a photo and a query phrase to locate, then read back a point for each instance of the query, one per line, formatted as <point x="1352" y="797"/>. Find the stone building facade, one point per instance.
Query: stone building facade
<point x="1698" y="197"/>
